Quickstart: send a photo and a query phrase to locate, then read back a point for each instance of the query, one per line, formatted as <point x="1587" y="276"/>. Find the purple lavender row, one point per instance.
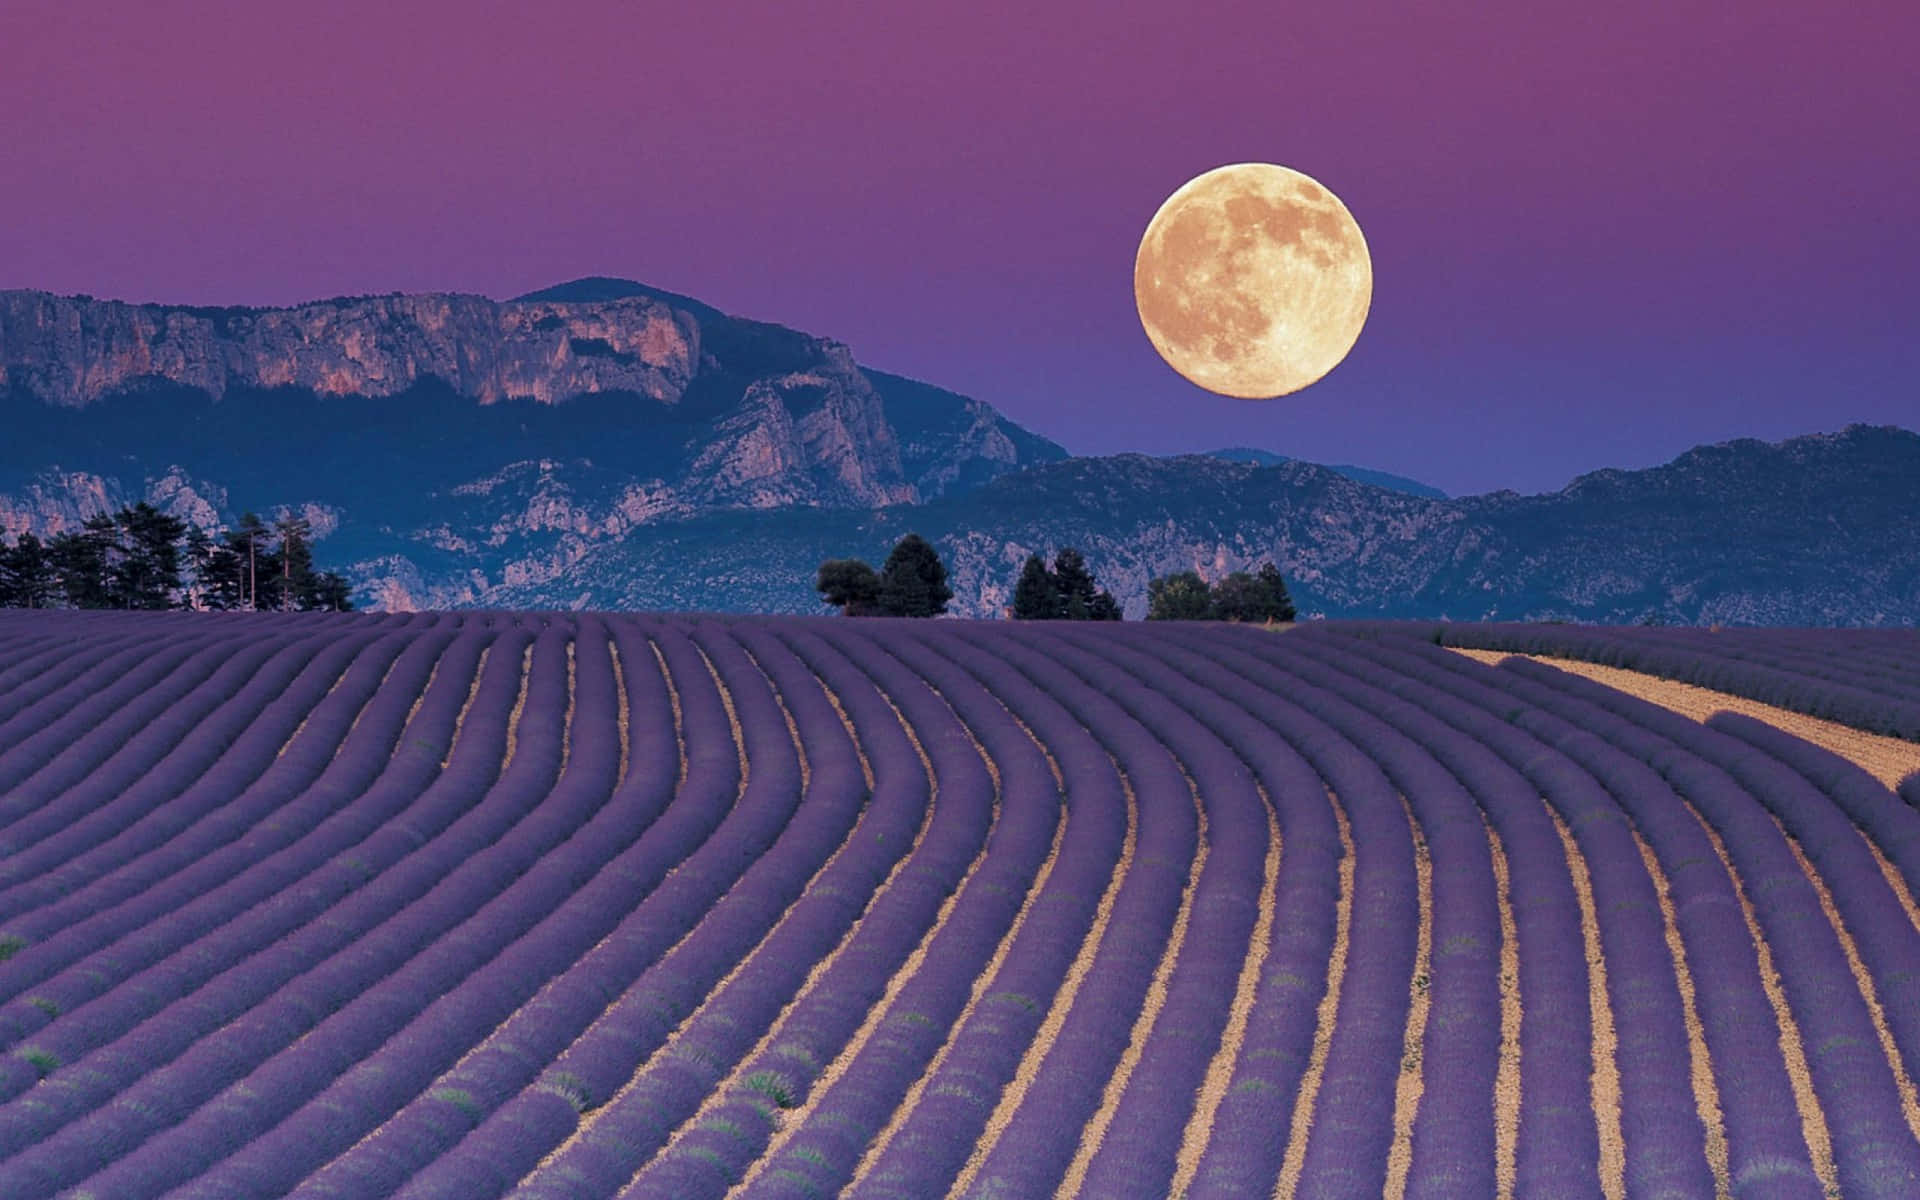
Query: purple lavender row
<point x="80" y="728"/>
<point x="155" y="763"/>
<point x="704" y="1164"/>
<point x="231" y="882"/>
<point x="1352" y="1124"/>
<point x="578" y="1028"/>
<point x="198" y="1044"/>
<point x="176" y="820"/>
<point x="1848" y="705"/>
<point x="1817" y="653"/>
<point x="1558" y="1147"/>
<point x="216" y="760"/>
<point x="1248" y="1139"/>
<point x="1767" y="1150"/>
<point x="929" y="1148"/>
<point x="48" y="664"/>
<point x="823" y="1154"/>
<point x="278" y="1083"/>
<point x="1033" y="1153"/>
<point x="1137" y="1152"/>
<point x="1910" y="789"/>
<point x="1873" y="1150"/>
<point x="672" y="1086"/>
<point x="381" y="1102"/>
<point x="1453" y="1131"/>
<point x="1660" y="1122"/>
<point x="412" y="1150"/>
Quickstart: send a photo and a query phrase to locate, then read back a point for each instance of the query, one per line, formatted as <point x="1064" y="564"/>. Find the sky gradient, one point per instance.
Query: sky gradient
<point x="1600" y="233"/>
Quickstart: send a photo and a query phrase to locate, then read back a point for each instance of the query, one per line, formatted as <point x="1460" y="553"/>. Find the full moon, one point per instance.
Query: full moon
<point x="1253" y="280"/>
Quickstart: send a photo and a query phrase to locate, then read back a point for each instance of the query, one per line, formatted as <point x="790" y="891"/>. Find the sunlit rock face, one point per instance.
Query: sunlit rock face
<point x="72" y="350"/>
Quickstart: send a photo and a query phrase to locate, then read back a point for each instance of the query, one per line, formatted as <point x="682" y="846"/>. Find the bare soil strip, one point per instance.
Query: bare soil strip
<point x="1156" y="999"/>
<point x="519" y="707"/>
<point x="1887" y="759"/>
<point x="566" y="721"/>
<point x="1506" y="1080"/>
<point x="1813" y="1122"/>
<point x="1036" y="1053"/>
<point x="1296" y="1156"/>
<point x="1411" y="1083"/>
<point x="1213" y="1088"/>
<point x="1706" y="1093"/>
<point x="1909" y="1100"/>
<point x="625" y="714"/>
<point x="673" y="699"/>
<point x="466" y="706"/>
<point x="791" y="1121"/>
<point x="1605" y="1081"/>
<point x="421" y="698"/>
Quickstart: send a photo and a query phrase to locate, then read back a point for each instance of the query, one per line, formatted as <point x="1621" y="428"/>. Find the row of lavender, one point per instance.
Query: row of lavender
<point x="1866" y="678"/>
<point x="894" y="908"/>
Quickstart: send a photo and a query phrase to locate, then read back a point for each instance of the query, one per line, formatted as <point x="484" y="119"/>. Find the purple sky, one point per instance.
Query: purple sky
<point x="1601" y="233"/>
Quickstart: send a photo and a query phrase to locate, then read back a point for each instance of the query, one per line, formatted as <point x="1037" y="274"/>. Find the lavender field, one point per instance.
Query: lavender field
<point x="468" y="905"/>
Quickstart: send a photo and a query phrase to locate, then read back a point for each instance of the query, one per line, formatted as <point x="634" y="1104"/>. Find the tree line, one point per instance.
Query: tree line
<point x="142" y="558"/>
<point x="913" y="583"/>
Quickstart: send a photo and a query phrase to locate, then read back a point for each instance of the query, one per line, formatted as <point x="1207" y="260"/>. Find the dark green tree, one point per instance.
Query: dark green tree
<point x="330" y="593"/>
<point x="147" y="573"/>
<point x="1104" y="607"/>
<point x="248" y="542"/>
<point x="83" y="562"/>
<point x="1074" y="584"/>
<point x="296" y="586"/>
<point x="1182" y="596"/>
<point x="849" y="584"/>
<point x="913" y="583"/>
<point x="1035" y="597"/>
<point x="1279" y="603"/>
<point x="1238" y="597"/>
<point x="26" y="577"/>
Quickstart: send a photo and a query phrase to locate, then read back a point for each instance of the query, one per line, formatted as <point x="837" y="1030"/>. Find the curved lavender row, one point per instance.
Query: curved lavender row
<point x="192" y="907"/>
<point x="1558" y="1146"/>
<point x="620" y="907"/>
<point x="1659" y="1117"/>
<point x="811" y="894"/>
<point x="1033" y="1153"/>
<point x="823" y="1153"/>
<point x="1767" y="1150"/>
<point x="157" y="810"/>
<point x="80" y="740"/>
<point x="292" y="764"/>
<point x="822" y="1020"/>
<point x="1873" y="1150"/>
<point x="1243" y="1154"/>
<point x="930" y="1146"/>
<point x="516" y="1052"/>
<point x="673" y="829"/>
<point x="529" y="932"/>
<point x="159" y="760"/>
<point x="1137" y="1152"/>
<point x="1817" y="654"/>
<point x="165" y="1067"/>
<point x="1453" y="1145"/>
<point x="1849" y="705"/>
<point x="1910" y="789"/>
<point x="188" y="868"/>
<point x="215" y="759"/>
<point x="275" y="1094"/>
<point x="44" y="667"/>
<point x="1352" y="1125"/>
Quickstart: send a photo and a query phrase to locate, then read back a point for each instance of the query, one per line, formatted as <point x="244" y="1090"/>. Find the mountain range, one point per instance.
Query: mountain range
<point x="605" y="444"/>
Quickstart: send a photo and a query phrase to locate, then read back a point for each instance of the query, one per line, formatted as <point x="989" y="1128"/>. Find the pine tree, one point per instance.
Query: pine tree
<point x="913" y="583"/>
<point x="148" y="572"/>
<point x="296" y="588"/>
<point x="1279" y="603"/>
<point x="247" y="540"/>
<point x="26" y="575"/>
<point x="1036" y="597"/>
<point x="1074" y="585"/>
<point x="330" y="593"/>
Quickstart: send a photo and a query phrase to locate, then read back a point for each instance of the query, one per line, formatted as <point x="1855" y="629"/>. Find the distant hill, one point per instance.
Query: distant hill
<point x="611" y="445"/>
<point x="1267" y="458"/>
